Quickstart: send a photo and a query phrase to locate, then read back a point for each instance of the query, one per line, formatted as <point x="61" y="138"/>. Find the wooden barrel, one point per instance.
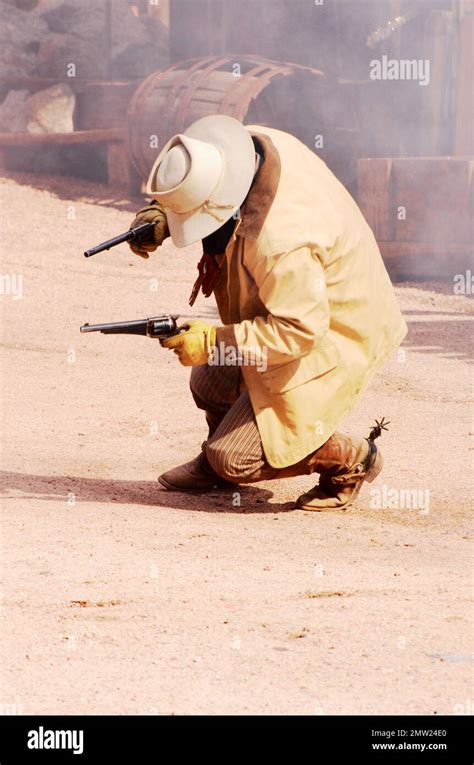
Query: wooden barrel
<point x="249" y="88"/>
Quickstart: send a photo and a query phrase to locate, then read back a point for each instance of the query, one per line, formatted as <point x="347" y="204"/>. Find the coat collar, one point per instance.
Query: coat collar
<point x="262" y="193"/>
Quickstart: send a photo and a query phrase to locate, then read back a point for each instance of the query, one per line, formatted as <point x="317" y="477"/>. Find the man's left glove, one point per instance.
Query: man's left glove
<point x="193" y="346"/>
<point x="152" y="213"/>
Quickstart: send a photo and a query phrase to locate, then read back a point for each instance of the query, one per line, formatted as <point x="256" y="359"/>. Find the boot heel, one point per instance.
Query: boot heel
<point x="377" y="466"/>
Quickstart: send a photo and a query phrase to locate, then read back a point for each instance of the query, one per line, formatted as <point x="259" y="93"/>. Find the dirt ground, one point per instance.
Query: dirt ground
<point x="119" y="597"/>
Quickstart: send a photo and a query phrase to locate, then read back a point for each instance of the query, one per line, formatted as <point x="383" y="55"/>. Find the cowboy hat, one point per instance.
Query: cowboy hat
<point x="202" y="176"/>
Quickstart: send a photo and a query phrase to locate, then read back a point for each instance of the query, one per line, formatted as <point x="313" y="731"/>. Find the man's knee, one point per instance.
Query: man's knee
<point x="237" y="467"/>
<point x="214" y="387"/>
<point x="223" y="463"/>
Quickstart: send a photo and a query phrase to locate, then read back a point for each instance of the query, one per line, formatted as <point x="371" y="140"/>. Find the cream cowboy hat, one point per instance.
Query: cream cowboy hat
<point x="202" y="176"/>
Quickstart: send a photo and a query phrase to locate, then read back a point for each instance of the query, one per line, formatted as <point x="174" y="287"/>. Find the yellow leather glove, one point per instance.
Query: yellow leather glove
<point x="193" y="345"/>
<point x="152" y="213"/>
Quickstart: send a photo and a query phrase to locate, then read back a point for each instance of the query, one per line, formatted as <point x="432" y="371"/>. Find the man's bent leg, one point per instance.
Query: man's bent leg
<point x="235" y="450"/>
<point x="215" y="389"/>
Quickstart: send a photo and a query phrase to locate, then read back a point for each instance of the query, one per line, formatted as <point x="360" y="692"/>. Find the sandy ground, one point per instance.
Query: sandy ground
<point x="119" y="597"/>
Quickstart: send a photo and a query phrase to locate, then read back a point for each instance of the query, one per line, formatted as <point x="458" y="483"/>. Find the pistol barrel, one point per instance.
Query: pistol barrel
<point x="127" y="236"/>
<point x="157" y="326"/>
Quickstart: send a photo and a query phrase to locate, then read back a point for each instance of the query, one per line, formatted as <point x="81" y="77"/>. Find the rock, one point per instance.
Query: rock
<point x="137" y="61"/>
<point x="151" y="54"/>
<point x="13" y="117"/>
<point x="51" y="110"/>
<point x="45" y="41"/>
<point x="139" y="45"/>
<point x="21" y="34"/>
<point x="58" y="51"/>
<point x="24" y="5"/>
<point x="86" y="21"/>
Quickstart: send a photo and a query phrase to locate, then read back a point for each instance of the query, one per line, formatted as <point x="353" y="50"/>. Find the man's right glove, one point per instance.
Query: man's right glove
<point x="152" y="213"/>
<point x="193" y="345"/>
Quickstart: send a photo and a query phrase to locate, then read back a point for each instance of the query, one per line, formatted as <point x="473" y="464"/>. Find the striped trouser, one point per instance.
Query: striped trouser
<point x="234" y="448"/>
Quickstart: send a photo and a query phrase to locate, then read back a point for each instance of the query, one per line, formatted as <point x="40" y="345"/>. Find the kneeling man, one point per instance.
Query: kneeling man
<point x="307" y="308"/>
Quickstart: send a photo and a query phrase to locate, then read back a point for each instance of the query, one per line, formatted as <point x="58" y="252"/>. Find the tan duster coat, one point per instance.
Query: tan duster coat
<point x="303" y="282"/>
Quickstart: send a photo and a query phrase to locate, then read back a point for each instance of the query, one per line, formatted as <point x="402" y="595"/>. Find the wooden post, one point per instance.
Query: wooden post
<point x="374" y="195"/>
<point x="121" y="175"/>
<point x="160" y="9"/>
<point x="439" y="32"/>
<point x="108" y="39"/>
<point x="464" y="110"/>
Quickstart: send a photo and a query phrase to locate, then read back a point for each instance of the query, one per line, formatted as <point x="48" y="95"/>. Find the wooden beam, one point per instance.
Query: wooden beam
<point x="425" y="260"/>
<point x="106" y="135"/>
<point x="79" y="83"/>
<point x="435" y="196"/>
<point x="405" y="249"/>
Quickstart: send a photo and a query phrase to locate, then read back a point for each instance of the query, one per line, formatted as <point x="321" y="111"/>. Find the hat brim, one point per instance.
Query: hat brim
<point x="236" y="145"/>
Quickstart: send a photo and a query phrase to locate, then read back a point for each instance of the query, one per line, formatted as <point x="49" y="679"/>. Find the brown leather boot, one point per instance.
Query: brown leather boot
<point x="344" y="463"/>
<point x="194" y="476"/>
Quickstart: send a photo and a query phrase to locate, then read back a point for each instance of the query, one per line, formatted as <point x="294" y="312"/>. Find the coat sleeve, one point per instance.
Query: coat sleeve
<point x="292" y="287"/>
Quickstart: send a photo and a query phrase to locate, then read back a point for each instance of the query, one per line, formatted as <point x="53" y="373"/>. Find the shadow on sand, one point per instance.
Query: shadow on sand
<point x="106" y="490"/>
